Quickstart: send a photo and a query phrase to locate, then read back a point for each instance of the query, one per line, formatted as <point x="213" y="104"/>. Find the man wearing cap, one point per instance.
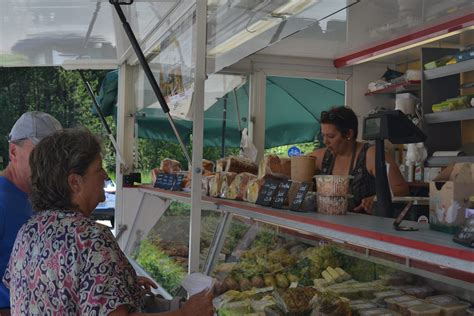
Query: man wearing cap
<point x="15" y="208"/>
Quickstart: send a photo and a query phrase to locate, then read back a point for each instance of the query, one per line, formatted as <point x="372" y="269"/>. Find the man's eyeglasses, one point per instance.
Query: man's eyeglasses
<point x="331" y="116"/>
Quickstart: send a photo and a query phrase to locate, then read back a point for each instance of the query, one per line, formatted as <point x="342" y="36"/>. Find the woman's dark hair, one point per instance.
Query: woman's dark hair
<point x="70" y="151"/>
<point x="343" y="118"/>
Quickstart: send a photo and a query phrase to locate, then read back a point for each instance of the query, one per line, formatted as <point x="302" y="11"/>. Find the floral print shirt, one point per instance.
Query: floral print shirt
<point x="64" y="263"/>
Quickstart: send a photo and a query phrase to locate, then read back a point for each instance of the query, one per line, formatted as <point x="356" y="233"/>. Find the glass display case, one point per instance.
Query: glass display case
<point x="278" y="262"/>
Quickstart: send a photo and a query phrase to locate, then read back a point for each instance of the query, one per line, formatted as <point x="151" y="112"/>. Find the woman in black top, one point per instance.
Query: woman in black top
<point x="344" y="155"/>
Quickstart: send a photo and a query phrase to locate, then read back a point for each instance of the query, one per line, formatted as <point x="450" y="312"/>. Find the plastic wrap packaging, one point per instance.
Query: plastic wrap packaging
<point x="272" y="165"/>
<point x="238" y="187"/>
<point x="215" y="184"/>
<point x="227" y="178"/>
<point x="332" y="185"/>
<point x="239" y="164"/>
<point x="221" y="165"/>
<point x="207" y="165"/>
<point x="206" y="180"/>
<point x="419" y="291"/>
<point x="170" y="165"/>
<point x="333" y="205"/>
<point x="253" y="189"/>
<point x="295" y="300"/>
<point x="425" y="310"/>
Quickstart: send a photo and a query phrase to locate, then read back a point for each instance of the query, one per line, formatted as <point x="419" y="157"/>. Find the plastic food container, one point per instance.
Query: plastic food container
<point x="333" y="205"/>
<point x="331" y="185"/>
<point x="393" y="302"/>
<point x="404" y="306"/>
<point x="442" y="299"/>
<point x="419" y="291"/>
<point x="378" y="312"/>
<point x="454" y="309"/>
<point x="425" y="310"/>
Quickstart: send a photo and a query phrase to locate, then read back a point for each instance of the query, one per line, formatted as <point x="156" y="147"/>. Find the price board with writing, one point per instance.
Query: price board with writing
<point x="281" y="194"/>
<point x="168" y="181"/>
<point x="299" y="197"/>
<point x="268" y="189"/>
<point x="159" y="180"/>
<point x="177" y="183"/>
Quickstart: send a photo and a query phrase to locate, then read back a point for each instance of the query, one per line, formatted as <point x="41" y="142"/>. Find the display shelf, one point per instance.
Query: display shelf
<point x="449" y="70"/>
<point x="444" y="161"/>
<point x="412" y="85"/>
<point x="449" y="116"/>
<point x="373" y="237"/>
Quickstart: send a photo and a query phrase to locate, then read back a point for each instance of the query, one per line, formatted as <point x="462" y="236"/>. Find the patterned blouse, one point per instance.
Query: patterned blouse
<point x="64" y="263"/>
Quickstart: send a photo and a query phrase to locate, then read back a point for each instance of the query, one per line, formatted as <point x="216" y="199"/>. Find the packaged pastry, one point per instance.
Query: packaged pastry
<point x="419" y="291"/>
<point x="238" y="187"/>
<point x="274" y="166"/>
<point x="454" y="309"/>
<point x="331" y="185"/>
<point x="240" y="164"/>
<point x="392" y="302"/>
<point x="221" y="165"/>
<point x="378" y="312"/>
<point x="207" y="165"/>
<point x="170" y="166"/>
<point x="215" y="184"/>
<point x="425" y="310"/>
<point x="442" y="299"/>
<point x="227" y="178"/>
<point x="333" y="205"/>
<point x="404" y="306"/>
<point x="253" y="189"/>
<point x="381" y="296"/>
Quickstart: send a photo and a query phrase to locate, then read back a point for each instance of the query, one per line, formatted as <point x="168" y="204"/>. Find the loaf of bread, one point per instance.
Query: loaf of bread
<point x="272" y="165"/>
<point x="207" y="165"/>
<point x="253" y="189"/>
<point x="227" y="178"/>
<point x="206" y="180"/>
<point x="240" y="164"/>
<point x="221" y="164"/>
<point x="170" y="165"/>
<point x="238" y="187"/>
<point x="215" y="184"/>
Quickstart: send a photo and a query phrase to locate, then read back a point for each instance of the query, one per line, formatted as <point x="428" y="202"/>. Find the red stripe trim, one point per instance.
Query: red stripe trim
<point x="430" y="32"/>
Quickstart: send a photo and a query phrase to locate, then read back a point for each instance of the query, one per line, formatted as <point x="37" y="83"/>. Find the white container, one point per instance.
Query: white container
<point x="333" y="205"/>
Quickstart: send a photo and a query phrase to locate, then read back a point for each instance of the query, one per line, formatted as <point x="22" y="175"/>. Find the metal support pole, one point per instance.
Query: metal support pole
<point x="217" y="242"/>
<point x="102" y="118"/>
<point x="224" y="120"/>
<point x="146" y="68"/>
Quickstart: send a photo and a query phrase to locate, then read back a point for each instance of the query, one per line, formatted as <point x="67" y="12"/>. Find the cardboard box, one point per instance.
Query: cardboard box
<point x="449" y="197"/>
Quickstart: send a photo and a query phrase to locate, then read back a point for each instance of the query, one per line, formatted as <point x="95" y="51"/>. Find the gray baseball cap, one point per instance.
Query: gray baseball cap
<point x="35" y="126"/>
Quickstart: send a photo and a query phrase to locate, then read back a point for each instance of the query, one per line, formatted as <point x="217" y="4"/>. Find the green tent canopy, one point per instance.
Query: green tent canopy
<point x="293" y="106"/>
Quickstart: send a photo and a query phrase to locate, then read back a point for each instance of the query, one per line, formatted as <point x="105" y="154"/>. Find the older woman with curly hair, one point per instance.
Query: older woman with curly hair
<point x="63" y="262"/>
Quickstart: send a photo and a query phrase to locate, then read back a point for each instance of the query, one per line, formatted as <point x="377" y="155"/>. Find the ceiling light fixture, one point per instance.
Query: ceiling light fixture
<point x="417" y="39"/>
<point x="293" y="7"/>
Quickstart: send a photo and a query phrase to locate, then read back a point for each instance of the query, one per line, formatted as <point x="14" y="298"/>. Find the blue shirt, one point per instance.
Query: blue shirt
<point x="15" y="210"/>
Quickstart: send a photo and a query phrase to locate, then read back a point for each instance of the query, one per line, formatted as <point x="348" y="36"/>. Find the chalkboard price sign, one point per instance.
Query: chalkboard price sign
<point x="177" y="183"/>
<point x="299" y="197"/>
<point x="268" y="190"/>
<point x="281" y="193"/>
<point x="159" y="180"/>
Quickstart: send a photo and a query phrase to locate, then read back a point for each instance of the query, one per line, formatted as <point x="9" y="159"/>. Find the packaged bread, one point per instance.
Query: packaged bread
<point x="187" y="180"/>
<point x="215" y="184"/>
<point x="240" y="164"/>
<point x="425" y="310"/>
<point x="207" y="165"/>
<point x="419" y="291"/>
<point x="227" y="178"/>
<point x="221" y="164"/>
<point x="454" y="309"/>
<point x="238" y="187"/>
<point x="170" y="165"/>
<point x="253" y="189"/>
<point x="205" y="184"/>
<point x="274" y="166"/>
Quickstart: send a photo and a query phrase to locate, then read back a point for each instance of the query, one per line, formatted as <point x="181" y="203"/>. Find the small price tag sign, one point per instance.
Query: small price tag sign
<point x="159" y="181"/>
<point x="299" y="197"/>
<point x="268" y="190"/>
<point x="178" y="182"/>
<point x="168" y="181"/>
<point x="281" y="194"/>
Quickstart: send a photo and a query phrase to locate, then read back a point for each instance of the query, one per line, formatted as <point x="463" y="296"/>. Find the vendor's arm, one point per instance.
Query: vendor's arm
<point x="397" y="183"/>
